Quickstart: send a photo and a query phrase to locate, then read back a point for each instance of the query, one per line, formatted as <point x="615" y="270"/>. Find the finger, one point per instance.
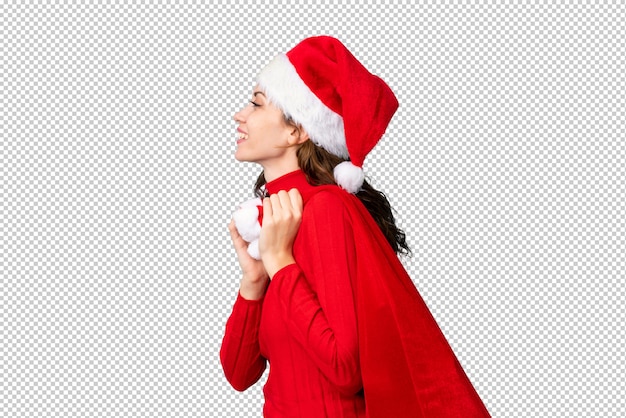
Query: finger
<point x="296" y="200"/>
<point x="234" y="233"/>
<point x="276" y="200"/>
<point x="238" y="242"/>
<point x="232" y="229"/>
<point x="268" y="211"/>
<point x="285" y="201"/>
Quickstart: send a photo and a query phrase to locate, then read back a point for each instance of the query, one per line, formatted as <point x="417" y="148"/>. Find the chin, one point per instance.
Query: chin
<point x="241" y="157"/>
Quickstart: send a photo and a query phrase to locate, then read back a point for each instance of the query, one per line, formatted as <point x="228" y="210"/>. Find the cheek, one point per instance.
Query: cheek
<point x="266" y="124"/>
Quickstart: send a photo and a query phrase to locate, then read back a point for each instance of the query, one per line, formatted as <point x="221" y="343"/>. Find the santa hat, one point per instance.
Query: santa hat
<point x="343" y="107"/>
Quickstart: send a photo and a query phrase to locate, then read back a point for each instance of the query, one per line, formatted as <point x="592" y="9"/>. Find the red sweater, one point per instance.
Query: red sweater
<point x="325" y="362"/>
<point x="305" y="325"/>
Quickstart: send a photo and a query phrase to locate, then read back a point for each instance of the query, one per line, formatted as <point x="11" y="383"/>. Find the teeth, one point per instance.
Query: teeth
<point x="241" y="135"/>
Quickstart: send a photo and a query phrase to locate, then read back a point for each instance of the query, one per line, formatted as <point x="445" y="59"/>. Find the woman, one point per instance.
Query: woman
<point x="329" y="304"/>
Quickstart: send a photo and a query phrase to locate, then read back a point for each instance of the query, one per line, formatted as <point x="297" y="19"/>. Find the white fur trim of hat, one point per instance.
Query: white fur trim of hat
<point x="282" y="85"/>
<point x="343" y="107"/>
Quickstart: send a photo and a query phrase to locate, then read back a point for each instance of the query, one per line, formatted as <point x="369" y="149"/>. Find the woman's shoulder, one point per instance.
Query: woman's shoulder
<point x="327" y="197"/>
<point x="329" y="205"/>
<point x="326" y="215"/>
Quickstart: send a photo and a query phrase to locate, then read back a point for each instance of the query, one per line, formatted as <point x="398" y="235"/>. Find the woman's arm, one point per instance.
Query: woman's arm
<point x="316" y="293"/>
<point x="240" y="353"/>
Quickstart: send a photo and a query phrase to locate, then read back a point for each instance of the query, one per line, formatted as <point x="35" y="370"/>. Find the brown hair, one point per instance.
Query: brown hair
<point x="318" y="165"/>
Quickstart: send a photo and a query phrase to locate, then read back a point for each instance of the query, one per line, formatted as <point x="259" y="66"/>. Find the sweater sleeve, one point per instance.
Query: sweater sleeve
<point x="240" y="353"/>
<point x="316" y="293"/>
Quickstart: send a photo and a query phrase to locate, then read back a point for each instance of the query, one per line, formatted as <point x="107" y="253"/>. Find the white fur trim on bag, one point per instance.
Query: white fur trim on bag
<point x="246" y="218"/>
<point x="282" y="85"/>
<point x="253" y="249"/>
<point x="349" y="177"/>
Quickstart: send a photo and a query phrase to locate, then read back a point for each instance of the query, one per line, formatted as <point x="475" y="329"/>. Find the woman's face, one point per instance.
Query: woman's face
<point x="263" y="136"/>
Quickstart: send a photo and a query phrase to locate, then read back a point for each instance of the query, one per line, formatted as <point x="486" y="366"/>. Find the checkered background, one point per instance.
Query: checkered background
<point x="506" y="163"/>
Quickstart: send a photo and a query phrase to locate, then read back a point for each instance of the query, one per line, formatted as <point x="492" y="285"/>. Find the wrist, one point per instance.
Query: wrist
<point x="254" y="279"/>
<point x="253" y="289"/>
<point x="277" y="262"/>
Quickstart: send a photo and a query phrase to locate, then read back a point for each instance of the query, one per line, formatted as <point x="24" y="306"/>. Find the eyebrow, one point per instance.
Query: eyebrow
<point x="259" y="92"/>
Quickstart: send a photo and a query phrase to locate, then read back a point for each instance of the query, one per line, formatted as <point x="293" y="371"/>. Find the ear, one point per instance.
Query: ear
<point x="298" y="136"/>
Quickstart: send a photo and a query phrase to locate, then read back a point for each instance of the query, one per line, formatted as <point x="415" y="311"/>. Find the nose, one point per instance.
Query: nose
<point x="240" y="116"/>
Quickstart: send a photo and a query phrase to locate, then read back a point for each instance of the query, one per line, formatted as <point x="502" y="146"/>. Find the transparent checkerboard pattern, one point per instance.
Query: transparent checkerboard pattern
<point x="505" y="163"/>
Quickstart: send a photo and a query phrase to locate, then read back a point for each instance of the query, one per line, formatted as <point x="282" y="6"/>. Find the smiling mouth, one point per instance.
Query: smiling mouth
<point x="241" y="137"/>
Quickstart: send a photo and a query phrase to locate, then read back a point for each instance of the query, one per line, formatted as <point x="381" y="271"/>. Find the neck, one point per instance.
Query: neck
<point x="272" y="172"/>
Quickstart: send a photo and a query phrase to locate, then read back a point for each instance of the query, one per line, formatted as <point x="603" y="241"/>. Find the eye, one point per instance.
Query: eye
<point x="255" y="104"/>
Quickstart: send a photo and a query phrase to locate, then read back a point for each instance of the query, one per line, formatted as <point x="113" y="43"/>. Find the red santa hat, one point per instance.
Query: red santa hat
<point x="343" y="107"/>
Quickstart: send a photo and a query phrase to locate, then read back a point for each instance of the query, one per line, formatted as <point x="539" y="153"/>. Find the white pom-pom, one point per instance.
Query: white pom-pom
<point x="349" y="177"/>
<point x="253" y="249"/>
<point x="247" y="223"/>
<point x="251" y="203"/>
<point x="246" y="219"/>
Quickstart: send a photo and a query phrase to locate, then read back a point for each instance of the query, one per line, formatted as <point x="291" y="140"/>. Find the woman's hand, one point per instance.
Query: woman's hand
<point x="282" y="214"/>
<point x="254" y="279"/>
